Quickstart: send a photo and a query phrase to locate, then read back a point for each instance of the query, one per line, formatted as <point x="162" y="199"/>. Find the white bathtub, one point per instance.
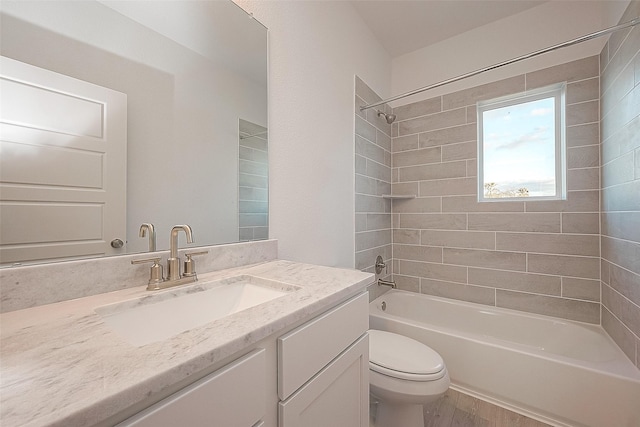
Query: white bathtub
<point x="560" y="372"/>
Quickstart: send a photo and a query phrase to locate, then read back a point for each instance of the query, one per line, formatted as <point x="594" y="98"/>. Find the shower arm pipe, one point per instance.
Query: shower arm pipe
<point x="591" y="36"/>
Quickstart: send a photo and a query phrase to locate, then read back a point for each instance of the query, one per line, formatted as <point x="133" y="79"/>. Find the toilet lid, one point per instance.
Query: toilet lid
<point x="402" y="357"/>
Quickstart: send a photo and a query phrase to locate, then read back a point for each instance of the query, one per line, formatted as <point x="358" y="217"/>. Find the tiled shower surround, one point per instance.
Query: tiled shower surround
<point x="535" y="256"/>
<point x="253" y="179"/>
<point x="620" y="128"/>
<point x="539" y="256"/>
<point x="372" y="180"/>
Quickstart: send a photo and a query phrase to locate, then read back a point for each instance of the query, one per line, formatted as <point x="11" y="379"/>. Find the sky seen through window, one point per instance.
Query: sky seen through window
<point x="519" y="147"/>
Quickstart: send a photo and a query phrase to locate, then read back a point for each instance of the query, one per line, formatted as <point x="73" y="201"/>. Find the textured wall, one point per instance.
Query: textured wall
<point x="620" y="112"/>
<point x="536" y="256"/>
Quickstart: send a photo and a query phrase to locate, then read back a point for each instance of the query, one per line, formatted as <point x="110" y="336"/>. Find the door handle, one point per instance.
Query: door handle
<point x="117" y="243"/>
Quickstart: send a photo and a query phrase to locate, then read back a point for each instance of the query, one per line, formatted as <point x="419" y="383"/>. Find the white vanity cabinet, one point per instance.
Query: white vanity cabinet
<point x="316" y="375"/>
<point x="233" y="396"/>
<point x="323" y="369"/>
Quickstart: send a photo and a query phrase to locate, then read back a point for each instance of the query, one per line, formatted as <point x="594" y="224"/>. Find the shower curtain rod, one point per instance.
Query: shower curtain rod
<point x="248" y="135"/>
<point x="600" y="33"/>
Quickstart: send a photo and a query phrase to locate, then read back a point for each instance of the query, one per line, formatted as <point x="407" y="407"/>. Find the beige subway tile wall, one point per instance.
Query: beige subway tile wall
<point x="535" y="256"/>
<point x="253" y="180"/>
<point x="620" y="175"/>
<point x="372" y="180"/>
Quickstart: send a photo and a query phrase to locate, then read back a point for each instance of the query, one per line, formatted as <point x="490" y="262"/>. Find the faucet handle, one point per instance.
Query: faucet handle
<point x="196" y="253"/>
<point x="156" y="274"/>
<point x="380" y="264"/>
<point x="190" y="265"/>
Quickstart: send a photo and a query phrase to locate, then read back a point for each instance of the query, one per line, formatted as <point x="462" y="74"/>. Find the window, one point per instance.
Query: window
<point x="521" y="147"/>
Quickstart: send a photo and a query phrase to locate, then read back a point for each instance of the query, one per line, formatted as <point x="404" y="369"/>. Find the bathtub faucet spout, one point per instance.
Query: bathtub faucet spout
<point x="387" y="283"/>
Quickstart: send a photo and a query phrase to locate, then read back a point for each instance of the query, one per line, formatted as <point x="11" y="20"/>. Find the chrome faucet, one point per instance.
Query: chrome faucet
<point x="149" y="228"/>
<point x="174" y="275"/>
<point x="379" y="265"/>
<point x="173" y="263"/>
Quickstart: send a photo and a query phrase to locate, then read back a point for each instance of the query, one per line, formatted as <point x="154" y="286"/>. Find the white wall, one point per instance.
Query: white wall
<point x="551" y="23"/>
<point x="316" y="47"/>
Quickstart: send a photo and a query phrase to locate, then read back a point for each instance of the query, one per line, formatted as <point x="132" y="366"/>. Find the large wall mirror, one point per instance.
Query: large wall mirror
<point x="181" y="84"/>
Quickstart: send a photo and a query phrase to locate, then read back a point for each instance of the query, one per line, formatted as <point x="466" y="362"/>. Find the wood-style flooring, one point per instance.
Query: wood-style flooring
<point x="456" y="409"/>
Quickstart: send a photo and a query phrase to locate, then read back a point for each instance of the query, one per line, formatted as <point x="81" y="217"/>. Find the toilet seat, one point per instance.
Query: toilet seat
<point x="404" y="358"/>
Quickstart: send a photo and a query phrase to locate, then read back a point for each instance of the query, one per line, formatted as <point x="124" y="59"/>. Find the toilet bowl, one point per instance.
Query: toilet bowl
<point x="404" y="374"/>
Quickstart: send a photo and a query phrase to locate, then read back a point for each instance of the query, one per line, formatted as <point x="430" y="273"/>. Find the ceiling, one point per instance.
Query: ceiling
<point x="403" y="26"/>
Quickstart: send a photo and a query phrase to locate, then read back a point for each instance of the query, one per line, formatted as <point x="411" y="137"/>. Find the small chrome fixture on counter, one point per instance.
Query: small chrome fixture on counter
<point x="156" y="277"/>
<point x="174" y="275"/>
<point x="173" y="263"/>
<point x="190" y="265"/>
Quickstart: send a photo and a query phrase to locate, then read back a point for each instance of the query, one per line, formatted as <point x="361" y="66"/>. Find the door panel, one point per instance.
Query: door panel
<point x="50" y="223"/>
<point x="74" y="168"/>
<point x="63" y="146"/>
<point x="56" y="111"/>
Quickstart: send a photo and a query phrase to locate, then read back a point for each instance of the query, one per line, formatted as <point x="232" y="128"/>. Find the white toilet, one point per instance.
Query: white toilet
<point x="404" y="374"/>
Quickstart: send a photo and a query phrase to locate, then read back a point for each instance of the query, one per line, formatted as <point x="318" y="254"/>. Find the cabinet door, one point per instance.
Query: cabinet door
<point x="234" y="396"/>
<point x="303" y="352"/>
<point x="338" y="396"/>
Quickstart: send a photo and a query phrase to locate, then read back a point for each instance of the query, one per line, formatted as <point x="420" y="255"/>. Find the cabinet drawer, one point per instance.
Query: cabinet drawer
<point x="338" y="396"/>
<point x="233" y="396"/>
<point x="307" y="349"/>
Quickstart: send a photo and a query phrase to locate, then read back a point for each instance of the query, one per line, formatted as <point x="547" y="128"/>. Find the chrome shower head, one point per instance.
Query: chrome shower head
<point x="390" y="118"/>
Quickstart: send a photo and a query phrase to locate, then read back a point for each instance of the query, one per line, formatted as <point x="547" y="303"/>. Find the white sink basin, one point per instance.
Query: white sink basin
<point x="162" y="315"/>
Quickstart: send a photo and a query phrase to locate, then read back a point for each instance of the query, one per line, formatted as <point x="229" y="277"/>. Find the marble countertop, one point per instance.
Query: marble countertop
<point x="62" y="366"/>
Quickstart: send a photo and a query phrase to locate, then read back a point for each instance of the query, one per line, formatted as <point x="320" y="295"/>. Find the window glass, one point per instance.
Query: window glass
<point x="521" y="146"/>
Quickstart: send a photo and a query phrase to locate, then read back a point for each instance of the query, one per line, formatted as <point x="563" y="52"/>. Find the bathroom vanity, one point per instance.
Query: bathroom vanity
<point x="286" y="362"/>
